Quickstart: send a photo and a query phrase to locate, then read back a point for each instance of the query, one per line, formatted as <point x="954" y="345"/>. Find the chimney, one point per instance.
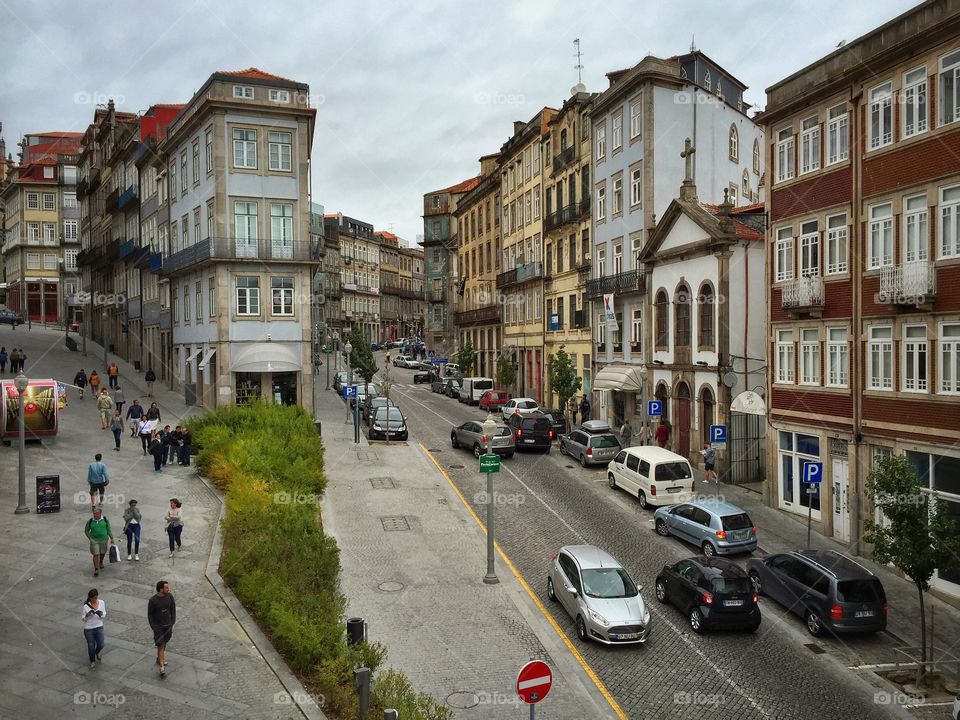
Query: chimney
<point x="726" y="223"/>
<point x="518" y="125"/>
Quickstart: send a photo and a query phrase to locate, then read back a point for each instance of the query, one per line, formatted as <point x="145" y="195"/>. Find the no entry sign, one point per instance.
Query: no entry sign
<point x="534" y="681"/>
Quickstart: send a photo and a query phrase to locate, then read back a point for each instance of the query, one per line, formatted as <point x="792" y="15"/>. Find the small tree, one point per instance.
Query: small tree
<point x="361" y="359"/>
<point x="466" y="356"/>
<point x="916" y="533"/>
<point x="386" y="383"/>
<point x="562" y="371"/>
<point x="506" y="372"/>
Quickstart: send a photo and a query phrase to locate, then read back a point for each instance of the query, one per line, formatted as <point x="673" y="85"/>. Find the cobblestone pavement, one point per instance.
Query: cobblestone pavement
<point x="46" y="571"/>
<point x="773" y="673"/>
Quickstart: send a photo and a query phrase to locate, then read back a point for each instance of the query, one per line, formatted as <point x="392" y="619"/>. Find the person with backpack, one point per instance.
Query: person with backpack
<point x="104" y="406"/>
<point x="113" y="375"/>
<point x="116" y="427"/>
<point x="80" y="380"/>
<point x="118" y="398"/>
<point x="97" y="478"/>
<point x="22" y="361"/>
<point x="14" y="360"/>
<point x="100" y="535"/>
<point x="92" y="613"/>
<point x="186" y="440"/>
<point x="94" y="383"/>
<point x="150" y="378"/>
<point x="584" y="410"/>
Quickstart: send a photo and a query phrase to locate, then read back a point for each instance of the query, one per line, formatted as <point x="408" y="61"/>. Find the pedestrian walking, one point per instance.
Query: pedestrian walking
<point x="118" y="398"/>
<point x="174" y="524"/>
<point x="625" y="434"/>
<point x="134" y="413"/>
<point x="113" y="374"/>
<point x="116" y="426"/>
<point x="176" y="442"/>
<point x="663" y="434"/>
<point x="131" y="528"/>
<point x="150" y="378"/>
<point x="3" y="360"/>
<point x="14" y="360"/>
<point x="162" y="615"/>
<point x="94" y="383"/>
<point x="186" y="440"/>
<point x="156" y="449"/>
<point x="22" y="361"/>
<point x="100" y="535"/>
<point x="145" y="431"/>
<point x="93" y="612"/>
<point x="584" y="410"/>
<point x="709" y="462"/>
<point x="166" y="439"/>
<point x="153" y="413"/>
<point x="97" y="478"/>
<point x="80" y="380"/>
<point x="104" y="406"/>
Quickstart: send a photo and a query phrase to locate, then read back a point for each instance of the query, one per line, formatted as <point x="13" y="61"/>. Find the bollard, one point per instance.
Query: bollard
<point x="390" y="714"/>
<point x="361" y="676"/>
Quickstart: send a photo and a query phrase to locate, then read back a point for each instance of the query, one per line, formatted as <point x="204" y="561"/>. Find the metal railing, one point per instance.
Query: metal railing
<point x="908" y="284"/>
<point x="240" y="249"/>
<point x="564" y="158"/>
<point x="478" y="316"/>
<point x="625" y="282"/>
<point x="802" y="292"/>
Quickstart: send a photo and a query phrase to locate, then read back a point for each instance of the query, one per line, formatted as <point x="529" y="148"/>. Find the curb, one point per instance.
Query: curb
<point x="298" y="694"/>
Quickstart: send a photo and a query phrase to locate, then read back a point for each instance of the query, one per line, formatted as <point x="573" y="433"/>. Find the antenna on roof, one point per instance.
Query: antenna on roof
<point x="693" y="44"/>
<point x="579" y="66"/>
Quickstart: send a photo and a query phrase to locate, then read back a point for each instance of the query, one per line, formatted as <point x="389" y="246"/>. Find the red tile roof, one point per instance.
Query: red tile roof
<point x="58" y="134"/>
<point x="386" y="235"/>
<point x="744" y="232"/>
<point x="462" y="187"/>
<point x="170" y="106"/>
<point x="254" y="74"/>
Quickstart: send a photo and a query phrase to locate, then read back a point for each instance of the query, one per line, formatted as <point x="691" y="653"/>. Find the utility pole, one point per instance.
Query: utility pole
<point x="579" y="66"/>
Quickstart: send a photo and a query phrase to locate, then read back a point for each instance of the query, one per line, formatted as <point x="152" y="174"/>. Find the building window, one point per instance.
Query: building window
<point x="734" y="144"/>
<point x="281" y="151"/>
<point x="617" y="196"/>
<point x="210" y="220"/>
<point x="617" y="258"/>
<point x="70" y="259"/>
<point x="636" y="187"/>
<point x="245" y="224"/>
<point x="536" y="159"/>
<point x="33" y="201"/>
<point x="281" y="230"/>
<point x="183" y="172"/>
<point x="705" y="308"/>
<point x="528" y="207"/>
<point x="756" y="156"/>
<point x="950" y="222"/>
<point x="706" y="80"/>
<point x="601" y="141"/>
<point x="70" y="230"/>
<point x="49" y="201"/>
<point x="601" y="202"/>
<point x="244" y="148"/>
<point x="795" y="451"/>
<point x="33" y="261"/>
<point x="949" y="96"/>
<point x="810" y="356"/>
<point x="208" y="150"/>
<point x="784" y="254"/>
<point x="49" y="234"/>
<point x="838" y="357"/>
<point x="838" y="135"/>
<point x="185" y="229"/>
<point x="881" y="116"/>
<point x="212" y="297"/>
<point x="915" y="358"/>
<point x="682" y="317"/>
<point x="732" y="194"/>
<point x="278" y="96"/>
<point x="915" y="228"/>
<point x="70" y="200"/>
<point x="33" y="233"/>
<point x="636" y="118"/>
<point x="881" y="236"/>
<point x="785" y="159"/>
<point x="836" y="244"/>
<point x="601" y="262"/>
<point x="196" y="162"/>
<point x="186" y="303"/>
<point x="196" y="225"/>
<point x="914" y="99"/>
<point x="248" y="295"/>
<point x="809" y="145"/>
<point x="617" y="131"/>
<point x="174" y="306"/>
<point x="198" y="292"/>
<point x="173" y="181"/>
<point x="809" y="249"/>
<point x="745" y="187"/>
<point x="663" y="319"/>
<point x="282" y="290"/>
<point x="785" y="356"/>
<point x="49" y="261"/>
<point x="636" y="331"/>
<point x="880" y="358"/>
<point x="949" y="344"/>
<point x="241" y="91"/>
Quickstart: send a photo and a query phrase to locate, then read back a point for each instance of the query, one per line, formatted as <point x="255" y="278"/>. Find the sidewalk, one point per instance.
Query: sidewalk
<point x="46" y="570"/>
<point x="413" y="565"/>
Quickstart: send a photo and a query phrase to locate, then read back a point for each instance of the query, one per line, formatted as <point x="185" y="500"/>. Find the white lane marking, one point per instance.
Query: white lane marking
<point x="533" y="683"/>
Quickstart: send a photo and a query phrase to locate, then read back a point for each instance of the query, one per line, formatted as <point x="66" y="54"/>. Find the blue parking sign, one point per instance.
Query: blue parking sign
<point x="654" y="408"/>
<point x="718" y="433"/>
<point x="813" y="473"/>
<point x="349" y="391"/>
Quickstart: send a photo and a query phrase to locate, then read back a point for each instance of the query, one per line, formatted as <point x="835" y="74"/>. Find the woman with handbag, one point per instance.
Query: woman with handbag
<point x="93" y="612"/>
<point x="174" y="524"/>
<point x="131" y="528"/>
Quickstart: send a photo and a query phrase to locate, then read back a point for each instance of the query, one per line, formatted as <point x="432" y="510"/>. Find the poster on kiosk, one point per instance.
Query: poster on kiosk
<point x="40" y="409"/>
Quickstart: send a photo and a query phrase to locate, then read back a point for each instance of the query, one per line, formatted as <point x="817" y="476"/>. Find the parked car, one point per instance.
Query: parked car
<point x="401" y="360"/>
<point x="598" y="593"/>
<point x="439" y="385"/>
<point x="428" y="366"/>
<point x="519" y="406"/>
<point x="375" y="346"/>
<point x="340" y="379"/>
<point x="655" y="475"/>
<point x="10" y="317"/>
<point x="473" y="388"/>
<point x="450" y="370"/>
<point x="532" y="432"/>
<point x="470" y="434"/>
<point x="829" y="590"/>
<point x="557" y="420"/>
<point x="369" y="407"/>
<point x="714" y="526"/>
<point x="590" y="448"/>
<point x="423" y="376"/>
<point x="411" y="363"/>
<point x="453" y="388"/>
<point x="493" y="400"/>
<point x="365" y="391"/>
<point x="712" y="592"/>
<point x="397" y="423"/>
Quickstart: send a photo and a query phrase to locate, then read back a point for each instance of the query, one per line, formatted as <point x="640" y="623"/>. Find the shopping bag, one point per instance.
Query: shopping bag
<point x="114" y="553"/>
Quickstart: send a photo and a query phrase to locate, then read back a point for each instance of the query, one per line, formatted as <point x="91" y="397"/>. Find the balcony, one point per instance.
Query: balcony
<point x="564" y="158"/>
<point x="239" y="249"/>
<point x="625" y="282"/>
<point x="389" y="288"/>
<point x="481" y="316"/>
<point x="411" y="294"/>
<point x="129" y="197"/>
<point x="82" y="187"/>
<point x="913" y="283"/>
<point x="507" y="278"/>
<point x="111" y="202"/>
<point x="803" y="295"/>
<point x="521" y="273"/>
<point x="88" y="257"/>
<point x="567" y="214"/>
<point x="583" y="271"/>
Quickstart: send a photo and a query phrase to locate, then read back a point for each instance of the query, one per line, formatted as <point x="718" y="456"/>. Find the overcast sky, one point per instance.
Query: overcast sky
<point x="409" y="94"/>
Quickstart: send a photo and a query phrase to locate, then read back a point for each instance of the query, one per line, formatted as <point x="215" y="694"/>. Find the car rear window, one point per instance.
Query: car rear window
<point x="859" y="591"/>
<point x="604" y="442"/>
<point x="732" y="585"/>
<point x="527" y="405"/>
<point x="673" y="471"/>
<point x="740" y="521"/>
<point x="483" y="385"/>
<point x="503" y="432"/>
<point x="536" y="424"/>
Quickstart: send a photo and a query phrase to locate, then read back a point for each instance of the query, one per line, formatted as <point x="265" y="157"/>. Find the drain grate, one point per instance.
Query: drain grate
<point x="814" y="648"/>
<point x="434" y="450"/>
<point x="456" y="467"/>
<point x="394" y="523"/>
<point x="383" y="483"/>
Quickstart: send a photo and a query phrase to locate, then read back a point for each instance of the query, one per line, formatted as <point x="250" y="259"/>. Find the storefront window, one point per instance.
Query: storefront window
<point x="942" y="474"/>
<point x="796" y="450"/>
<point x="285" y="388"/>
<point x="248" y="387"/>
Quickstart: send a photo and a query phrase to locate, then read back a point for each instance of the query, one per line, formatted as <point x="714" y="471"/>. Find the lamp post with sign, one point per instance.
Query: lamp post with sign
<point x="812" y="475"/>
<point x="348" y="348"/>
<point x="489" y="464"/>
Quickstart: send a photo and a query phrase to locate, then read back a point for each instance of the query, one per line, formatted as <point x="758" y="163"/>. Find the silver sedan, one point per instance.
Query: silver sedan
<point x="470" y="435"/>
<point x="599" y="595"/>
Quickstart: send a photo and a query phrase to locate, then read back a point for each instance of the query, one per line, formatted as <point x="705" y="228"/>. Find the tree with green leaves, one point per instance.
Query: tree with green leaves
<point x="562" y="373"/>
<point x="506" y="372"/>
<point x="466" y="356"/>
<point x="361" y="359"/>
<point x="915" y="534"/>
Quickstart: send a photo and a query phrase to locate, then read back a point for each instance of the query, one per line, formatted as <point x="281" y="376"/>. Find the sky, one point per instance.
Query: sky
<point x="409" y="95"/>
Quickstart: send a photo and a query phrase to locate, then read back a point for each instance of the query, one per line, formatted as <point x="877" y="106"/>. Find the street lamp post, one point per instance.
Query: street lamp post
<point x="643" y="396"/>
<point x="106" y="337"/>
<point x="326" y="339"/>
<point x="20" y="382"/>
<point x="489" y="430"/>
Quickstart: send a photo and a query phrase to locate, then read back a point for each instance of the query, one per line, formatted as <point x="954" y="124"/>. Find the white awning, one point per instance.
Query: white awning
<point x="266" y="357"/>
<point x="625" y="378"/>
<point x="193" y="357"/>
<point x="749" y="403"/>
<point x="207" y="358"/>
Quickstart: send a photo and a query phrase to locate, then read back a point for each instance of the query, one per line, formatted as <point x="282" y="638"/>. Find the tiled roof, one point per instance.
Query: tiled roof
<point x="170" y="106"/>
<point x="744" y="232"/>
<point x="462" y="187"/>
<point x="387" y="235"/>
<point x="254" y="74"/>
<point x="58" y="134"/>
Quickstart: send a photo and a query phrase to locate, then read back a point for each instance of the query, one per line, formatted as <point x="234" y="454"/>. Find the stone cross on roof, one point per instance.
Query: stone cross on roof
<point x="688" y="190"/>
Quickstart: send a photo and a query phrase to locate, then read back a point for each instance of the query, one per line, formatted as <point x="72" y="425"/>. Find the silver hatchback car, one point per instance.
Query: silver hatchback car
<point x="590" y="448"/>
<point x="714" y="526"/>
<point x="470" y="435"/>
<point x="600" y="596"/>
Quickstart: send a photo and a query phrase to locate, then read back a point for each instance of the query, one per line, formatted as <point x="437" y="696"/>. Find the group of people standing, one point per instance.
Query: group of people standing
<point x="16" y="357"/>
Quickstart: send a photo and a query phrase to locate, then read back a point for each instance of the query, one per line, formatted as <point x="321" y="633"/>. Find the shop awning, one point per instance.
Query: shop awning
<point x="266" y="357"/>
<point x="193" y="357"/>
<point x="625" y="378"/>
<point x="207" y="358"/>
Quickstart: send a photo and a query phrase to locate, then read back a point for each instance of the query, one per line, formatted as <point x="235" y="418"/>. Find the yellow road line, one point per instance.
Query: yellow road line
<point x="533" y="596"/>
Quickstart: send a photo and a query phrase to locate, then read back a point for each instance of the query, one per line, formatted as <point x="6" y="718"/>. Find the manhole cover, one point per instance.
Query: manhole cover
<point x="394" y="523"/>
<point x="814" y="648"/>
<point x="390" y="586"/>
<point x="383" y="483"/>
<point x="456" y="467"/>
<point x="463" y="700"/>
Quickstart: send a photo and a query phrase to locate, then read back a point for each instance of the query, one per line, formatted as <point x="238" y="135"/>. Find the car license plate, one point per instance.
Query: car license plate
<point x="732" y="603"/>
<point x="864" y="613"/>
<point x="625" y="636"/>
<point x="530" y="440"/>
<point x="742" y="535"/>
<point x="674" y="490"/>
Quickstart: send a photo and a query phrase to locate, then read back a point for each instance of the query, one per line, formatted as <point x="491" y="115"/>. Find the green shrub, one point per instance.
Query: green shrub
<point x="391" y="689"/>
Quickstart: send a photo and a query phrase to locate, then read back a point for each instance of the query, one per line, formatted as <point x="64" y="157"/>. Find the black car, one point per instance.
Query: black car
<point x="557" y="420"/>
<point x="712" y="592"/>
<point x="439" y="385"/>
<point x="829" y="590"/>
<point x="532" y="431"/>
<point x="379" y="421"/>
<point x="423" y="376"/>
<point x="370" y="407"/>
<point x="375" y="346"/>
<point x="9" y="317"/>
<point x="453" y="388"/>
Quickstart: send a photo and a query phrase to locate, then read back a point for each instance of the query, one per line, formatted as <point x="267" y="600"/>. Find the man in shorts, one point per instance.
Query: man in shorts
<point x="709" y="460"/>
<point x="100" y="535"/>
<point x="162" y="614"/>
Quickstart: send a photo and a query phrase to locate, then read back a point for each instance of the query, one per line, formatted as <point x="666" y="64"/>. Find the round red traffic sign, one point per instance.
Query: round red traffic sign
<point x="534" y="681"/>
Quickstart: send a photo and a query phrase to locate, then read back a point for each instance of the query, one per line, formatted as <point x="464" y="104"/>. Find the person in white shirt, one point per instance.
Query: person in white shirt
<point x="94" y="610"/>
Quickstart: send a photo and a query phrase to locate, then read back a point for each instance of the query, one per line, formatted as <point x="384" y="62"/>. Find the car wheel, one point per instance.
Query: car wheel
<point x="660" y="590"/>
<point x="661" y="527"/>
<point x="550" y="591"/>
<point x="755" y="581"/>
<point x="477" y="451"/>
<point x="814" y="624"/>
<point x="581" y="629"/>
<point x="611" y="481"/>
<point x="454" y="443"/>
<point x="696" y="620"/>
<point x="563" y="449"/>
<point x="583" y="461"/>
<point x="708" y="549"/>
<point x="642" y="497"/>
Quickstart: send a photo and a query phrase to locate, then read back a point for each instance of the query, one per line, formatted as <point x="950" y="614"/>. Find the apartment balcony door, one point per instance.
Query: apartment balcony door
<point x="683" y="419"/>
<point x="840" y="473"/>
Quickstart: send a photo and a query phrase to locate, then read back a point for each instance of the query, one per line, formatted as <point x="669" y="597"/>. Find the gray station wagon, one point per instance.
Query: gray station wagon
<point x="470" y="435"/>
<point x="590" y="448"/>
<point x="714" y="526"/>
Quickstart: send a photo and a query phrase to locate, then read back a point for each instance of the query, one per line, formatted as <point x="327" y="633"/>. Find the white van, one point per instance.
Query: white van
<point x="473" y="388"/>
<point x="655" y="475"/>
<point x="451" y="370"/>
